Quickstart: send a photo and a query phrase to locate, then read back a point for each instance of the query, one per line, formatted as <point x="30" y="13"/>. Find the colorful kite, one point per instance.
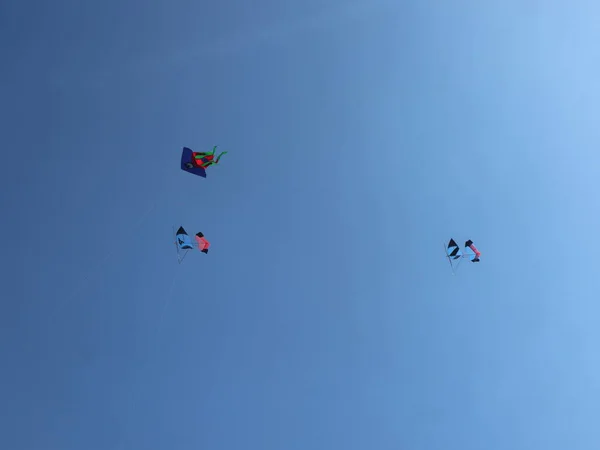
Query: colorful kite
<point x="454" y="253"/>
<point x="184" y="243"/>
<point x="197" y="162"/>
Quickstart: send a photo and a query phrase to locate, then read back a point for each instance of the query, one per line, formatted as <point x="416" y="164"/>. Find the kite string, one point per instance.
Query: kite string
<point x="137" y="224"/>
<point x="164" y="308"/>
<point x="167" y="301"/>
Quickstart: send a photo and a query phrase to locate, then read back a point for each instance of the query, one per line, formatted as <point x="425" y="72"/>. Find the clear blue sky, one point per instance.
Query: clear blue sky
<point x="361" y="136"/>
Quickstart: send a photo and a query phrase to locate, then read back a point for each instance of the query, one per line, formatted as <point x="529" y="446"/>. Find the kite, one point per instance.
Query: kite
<point x="184" y="243"/>
<point x="454" y="253"/>
<point x="197" y="162"/>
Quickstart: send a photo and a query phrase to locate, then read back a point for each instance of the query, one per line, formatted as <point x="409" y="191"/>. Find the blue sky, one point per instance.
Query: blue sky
<point x="361" y="136"/>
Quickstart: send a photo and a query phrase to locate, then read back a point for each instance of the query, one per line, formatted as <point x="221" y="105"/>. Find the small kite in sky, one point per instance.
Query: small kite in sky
<point x="184" y="243"/>
<point x="454" y="253"/>
<point x="198" y="162"/>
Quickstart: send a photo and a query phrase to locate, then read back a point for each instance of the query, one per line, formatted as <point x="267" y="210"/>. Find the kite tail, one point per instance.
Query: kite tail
<point x="200" y="155"/>
<point x="219" y="157"/>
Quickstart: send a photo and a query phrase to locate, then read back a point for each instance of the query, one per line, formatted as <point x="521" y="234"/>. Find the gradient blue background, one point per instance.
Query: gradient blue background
<point x="361" y="136"/>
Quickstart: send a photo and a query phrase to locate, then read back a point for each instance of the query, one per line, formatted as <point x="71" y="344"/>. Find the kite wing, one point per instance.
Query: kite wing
<point x="183" y="243"/>
<point x="453" y="252"/>
<point x="188" y="165"/>
<point x="203" y="244"/>
<point x="183" y="240"/>
<point x="471" y="251"/>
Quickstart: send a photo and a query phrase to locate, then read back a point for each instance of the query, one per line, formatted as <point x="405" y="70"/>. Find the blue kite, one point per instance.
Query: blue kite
<point x="184" y="243"/>
<point x="454" y="253"/>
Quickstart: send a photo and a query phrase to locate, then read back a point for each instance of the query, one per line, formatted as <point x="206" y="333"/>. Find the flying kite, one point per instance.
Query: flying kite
<point x="197" y="162"/>
<point x="454" y="253"/>
<point x="184" y="243"/>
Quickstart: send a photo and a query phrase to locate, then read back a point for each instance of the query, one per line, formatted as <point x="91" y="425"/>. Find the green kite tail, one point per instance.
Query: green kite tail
<point x="200" y="155"/>
<point x="219" y="157"/>
<point x="216" y="161"/>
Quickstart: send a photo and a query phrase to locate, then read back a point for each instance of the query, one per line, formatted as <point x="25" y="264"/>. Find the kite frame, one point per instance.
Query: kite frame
<point x="454" y="269"/>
